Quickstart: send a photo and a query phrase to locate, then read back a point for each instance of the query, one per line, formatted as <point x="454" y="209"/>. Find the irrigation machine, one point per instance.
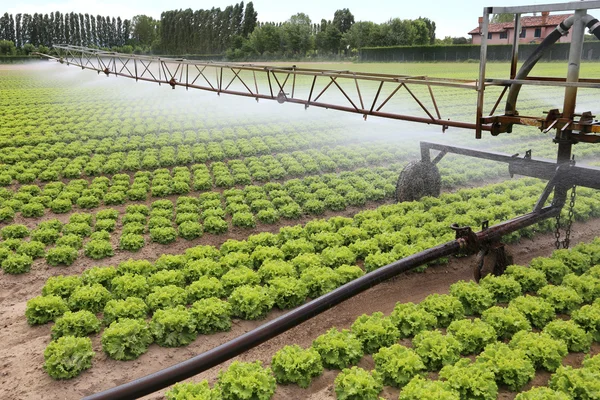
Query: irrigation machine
<point x="364" y="94"/>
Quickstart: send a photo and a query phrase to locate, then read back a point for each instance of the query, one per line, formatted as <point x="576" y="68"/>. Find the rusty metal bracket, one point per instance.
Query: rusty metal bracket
<point x="466" y="238"/>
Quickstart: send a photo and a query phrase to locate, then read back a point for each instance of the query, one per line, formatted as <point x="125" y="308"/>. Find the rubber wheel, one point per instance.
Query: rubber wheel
<point x="490" y="262"/>
<point x="418" y="179"/>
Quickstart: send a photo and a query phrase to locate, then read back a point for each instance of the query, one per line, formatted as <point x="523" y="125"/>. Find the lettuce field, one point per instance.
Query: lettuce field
<point x="141" y="226"/>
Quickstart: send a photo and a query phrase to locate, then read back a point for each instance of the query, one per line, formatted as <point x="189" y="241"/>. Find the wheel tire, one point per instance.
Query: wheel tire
<point x="418" y="179"/>
<point x="491" y="262"/>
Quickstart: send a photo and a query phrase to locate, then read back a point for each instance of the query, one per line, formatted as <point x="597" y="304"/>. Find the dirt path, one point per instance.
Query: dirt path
<point x="22" y="346"/>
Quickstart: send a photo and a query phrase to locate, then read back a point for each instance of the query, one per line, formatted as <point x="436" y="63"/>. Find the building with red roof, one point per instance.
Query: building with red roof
<point x="533" y="30"/>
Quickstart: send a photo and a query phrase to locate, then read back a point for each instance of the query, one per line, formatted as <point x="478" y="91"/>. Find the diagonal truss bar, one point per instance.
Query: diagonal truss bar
<point x="269" y="84"/>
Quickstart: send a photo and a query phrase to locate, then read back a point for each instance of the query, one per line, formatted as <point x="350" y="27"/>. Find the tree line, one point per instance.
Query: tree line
<point x="233" y="30"/>
<point x="27" y="31"/>
<point x="299" y="36"/>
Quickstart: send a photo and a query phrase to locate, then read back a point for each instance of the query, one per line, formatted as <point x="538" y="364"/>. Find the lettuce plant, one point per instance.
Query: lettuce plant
<point x="211" y="315"/>
<point x="68" y="356"/>
<point x="126" y="339"/>
<point x="397" y="365"/>
<point x="191" y="390"/>
<point x="92" y="298"/>
<point x="293" y="364"/>
<point x="537" y="310"/>
<point x="576" y="338"/>
<point x="420" y="388"/>
<point x="356" y="383"/>
<point x="445" y="308"/>
<point x="436" y="350"/>
<point x="131" y="307"/>
<point x="250" y="380"/>
<point x="564" y="299"/>
<point x="543" y="350"/>
<point x="43" y="309"/>
<point x="288" y="292"/>
<point x="79" y="323"/>
<point x="470" y="380"/>
<point x="474" y="298"/>
<point x="17" y="264"/>
<point x="511" y="366"/>
<point x="168" y="296"/>
<point x="375" y="331"/>
<point x="173" y="327"/>
<point x="251" y="302"/>
<point x="411" y="319"/>
<point x="506" y="321"/>
<point x="473" y="335"/>
<point x="338" y="349"/>
<point x="61" y="255"/>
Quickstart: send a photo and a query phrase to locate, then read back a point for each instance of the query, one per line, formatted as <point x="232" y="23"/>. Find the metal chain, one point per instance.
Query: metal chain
<point x="567" y="240"/>
<point x="557" y="232"/>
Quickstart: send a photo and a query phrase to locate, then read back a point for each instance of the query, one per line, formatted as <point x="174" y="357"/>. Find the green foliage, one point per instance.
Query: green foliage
<point x="542" y="349"/>
<point x="80" y="323"/>
<point x="424" y="389"/>
<point x="563" y="299"/>
<point x="474" y="298"/>
<point x="131" y="307"/>
<point x="170" y="262"/>
<point x="397" y="365"/>
<point x="215" y="225"/>
<point x="436" y="350"/>
<point x="348" y="273"/>
<point x="205" y="287"/>
<point x="77" y="228"/>
<point x="246" y="381"/>
<point x="575" y="261"/>
<point x="375" y="331"/>
<point x="320" y="280"/>
<point x="542" y="393"/>
<point x="471" y="380"/>
<point x="68" y="356"/>
<point x="211" y="315"/>
<point x="504" y="288"/>
<point x="357" y="384"/>
<point x="131" y="242"/>
<point x="129" y="285"/>
<point x="92" y="298"/>
<point x="588" y="317"/>
<point x="537" y="310"/>
<point x="411" y="319"/>
<point x="167" y="277"/>
<point x="16" y="231"/>
<point x="293" y="364"/>
<point x="45" y="235"/>
<point x="531" y="280"/>
<point x="576" y="338"/>
<point x="338" y="349"/>
<point x="271" y="269"/>
<point x="554" y="269"/>
<point x="17" y="264"/>
<point x="61" y="255"/>
<point x="238" y="277"/>
<point x="173" y="327"/>
<point x="190" y="230"/>
<point x="43" y="309"/>
<point x="33" y="210"/>
<point x="578" y="383"/>
<point x="163" y="297"/>
<point x="97" y="249"/>
<point x="250" y="302"/>
<point x="511" y="366"/>
<point x="473" y="335"/>
<point x="163" y="235"/>
<point x="191" y="391"/>
<point x="61" y="285"/>
<point x="506" y="321"/>
<point x="70" y="240"/>
<point x="107" y="225"/>
<point x="288" y="292"/>
<point x="586" y="286"/>
<point x="445" y="308"/>
<point x="126" y="339"/>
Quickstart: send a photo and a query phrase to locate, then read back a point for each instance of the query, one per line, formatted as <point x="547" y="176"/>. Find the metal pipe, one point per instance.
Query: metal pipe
<point x="195" y="365"/>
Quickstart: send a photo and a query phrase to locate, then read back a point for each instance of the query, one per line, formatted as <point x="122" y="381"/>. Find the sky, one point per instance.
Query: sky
<point x="455" y="19"/>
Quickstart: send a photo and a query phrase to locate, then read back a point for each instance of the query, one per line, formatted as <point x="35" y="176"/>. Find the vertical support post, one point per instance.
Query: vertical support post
<point x="482" y="63"/>
<point x="514" y="59"/>
<point x="565" y="144"/>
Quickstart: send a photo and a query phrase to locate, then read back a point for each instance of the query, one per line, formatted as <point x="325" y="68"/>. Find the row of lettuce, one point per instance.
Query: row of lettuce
<point x="266" y="270"/>
<point x="479" y="339"/>
<point x="190" y="217"/>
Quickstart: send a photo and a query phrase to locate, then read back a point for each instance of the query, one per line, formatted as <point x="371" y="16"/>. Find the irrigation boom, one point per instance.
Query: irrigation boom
<point x="373" y="94"/>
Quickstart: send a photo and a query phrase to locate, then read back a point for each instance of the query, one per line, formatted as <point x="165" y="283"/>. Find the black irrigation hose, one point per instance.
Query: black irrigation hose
<point x="202" y="362"/>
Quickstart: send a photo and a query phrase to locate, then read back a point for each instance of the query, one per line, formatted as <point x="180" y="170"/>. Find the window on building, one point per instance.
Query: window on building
<point x="538" y="32"/>
<point x="523" y="33"/>
<point x="489" y="36"/>
<point x="503" y="35"/>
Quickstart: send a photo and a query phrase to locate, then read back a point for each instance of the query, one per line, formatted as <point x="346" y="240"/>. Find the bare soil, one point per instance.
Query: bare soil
<point x="22" y="346"/>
